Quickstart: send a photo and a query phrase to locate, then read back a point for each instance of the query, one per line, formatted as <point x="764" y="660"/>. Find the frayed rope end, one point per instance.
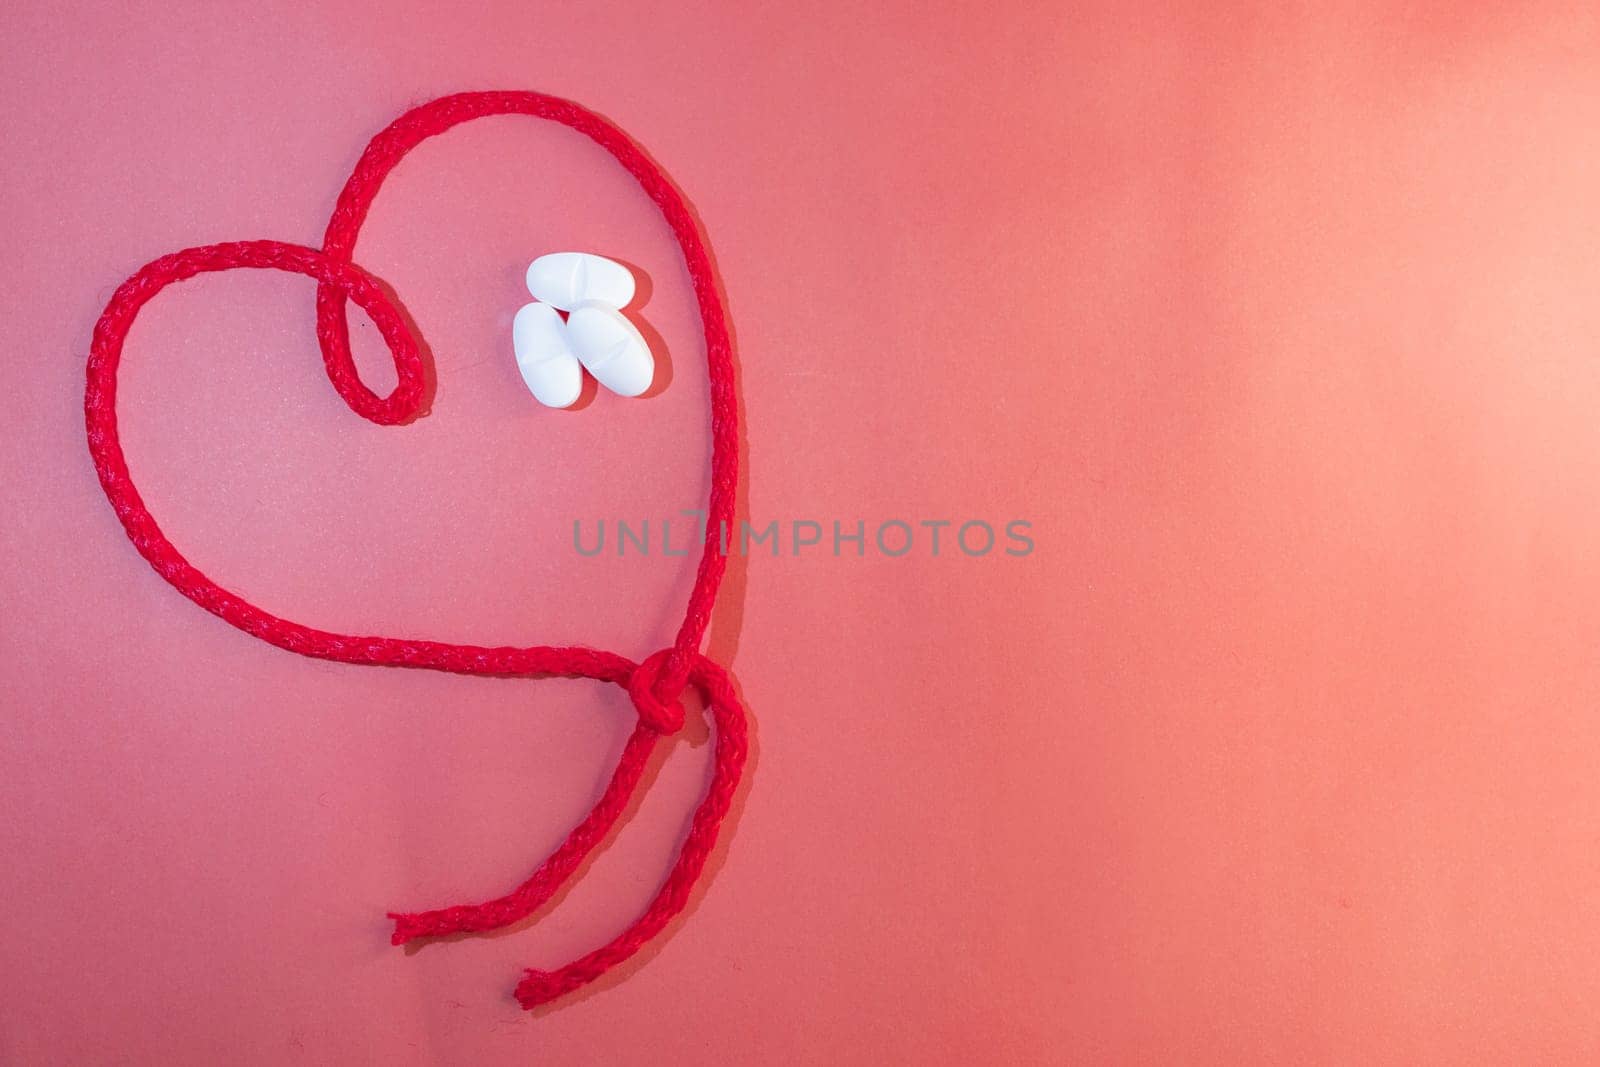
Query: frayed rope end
<point x="406" y="928"/>
<point x="541" y="987"/>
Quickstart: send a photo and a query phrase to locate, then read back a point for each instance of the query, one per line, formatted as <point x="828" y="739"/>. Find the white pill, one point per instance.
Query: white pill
<point x="567" y="279"/>
<point x="544" y="357"/>
<point x="611" y="348"/>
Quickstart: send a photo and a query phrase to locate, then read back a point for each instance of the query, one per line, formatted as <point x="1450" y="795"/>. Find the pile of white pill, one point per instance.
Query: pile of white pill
<point x="551" y="354"/>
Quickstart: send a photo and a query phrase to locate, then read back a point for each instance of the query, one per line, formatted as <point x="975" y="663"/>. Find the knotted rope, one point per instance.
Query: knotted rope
<point x="654" y="686"/>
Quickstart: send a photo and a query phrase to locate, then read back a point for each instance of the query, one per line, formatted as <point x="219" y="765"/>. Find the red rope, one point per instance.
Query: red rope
<point x="654" y="685"/>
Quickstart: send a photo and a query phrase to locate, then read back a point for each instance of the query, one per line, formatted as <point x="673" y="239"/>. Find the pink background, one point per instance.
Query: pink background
<point x="1280" y="328"/>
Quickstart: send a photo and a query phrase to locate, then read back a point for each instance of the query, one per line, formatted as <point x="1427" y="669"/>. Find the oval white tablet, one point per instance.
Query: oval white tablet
<point x="611" y="348"/>
<point x="567" y="279"/>
<point x="544" y="357"/>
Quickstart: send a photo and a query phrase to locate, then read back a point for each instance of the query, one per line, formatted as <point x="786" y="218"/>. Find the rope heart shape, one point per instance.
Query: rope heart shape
<point x="655" y="685"/>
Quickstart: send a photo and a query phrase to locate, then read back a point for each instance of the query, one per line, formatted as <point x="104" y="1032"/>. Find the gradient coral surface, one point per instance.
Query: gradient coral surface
<point x="1278" y="326"/>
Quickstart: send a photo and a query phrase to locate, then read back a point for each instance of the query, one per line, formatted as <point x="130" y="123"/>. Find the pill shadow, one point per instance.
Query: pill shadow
<point x="586" y="392"/>
<point x="644" y="288"/>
